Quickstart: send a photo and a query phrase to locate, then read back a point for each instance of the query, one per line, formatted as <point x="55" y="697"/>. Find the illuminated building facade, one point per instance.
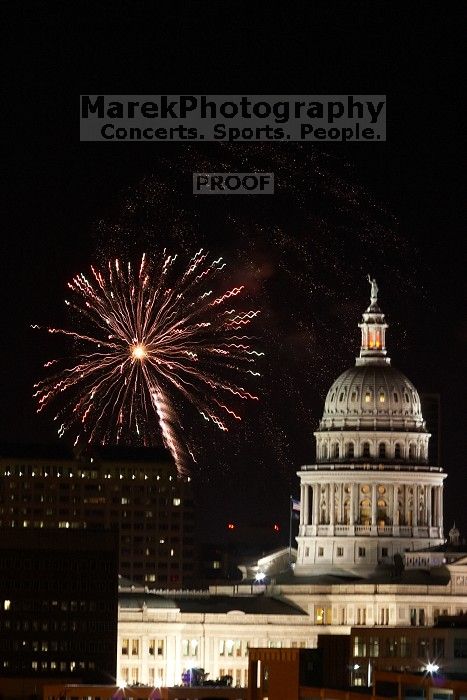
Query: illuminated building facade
<point x="135" y="492"/>
<point x="372" y="493"/>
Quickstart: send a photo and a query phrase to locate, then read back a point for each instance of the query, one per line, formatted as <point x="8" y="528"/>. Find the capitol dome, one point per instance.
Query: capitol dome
<point x="372" y="411"/>
<point x="373" y="395"/>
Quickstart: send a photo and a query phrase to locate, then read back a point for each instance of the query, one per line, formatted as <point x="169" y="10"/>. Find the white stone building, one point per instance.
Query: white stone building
<point x="371" y="495"/>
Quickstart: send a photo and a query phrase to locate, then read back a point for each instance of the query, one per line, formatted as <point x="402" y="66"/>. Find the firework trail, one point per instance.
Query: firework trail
<point x="152" y="334"/>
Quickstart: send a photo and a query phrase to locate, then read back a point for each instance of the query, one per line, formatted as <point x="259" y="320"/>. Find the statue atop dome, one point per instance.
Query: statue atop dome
<point x="374" y="291"/>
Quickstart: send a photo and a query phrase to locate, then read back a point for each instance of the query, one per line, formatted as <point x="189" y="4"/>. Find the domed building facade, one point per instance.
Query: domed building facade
<point x="372" y="493"/>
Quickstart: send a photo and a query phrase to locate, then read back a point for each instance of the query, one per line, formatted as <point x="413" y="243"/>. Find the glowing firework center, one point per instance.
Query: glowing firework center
<point x="138" y="351"/>
<point x="371" y="494"/>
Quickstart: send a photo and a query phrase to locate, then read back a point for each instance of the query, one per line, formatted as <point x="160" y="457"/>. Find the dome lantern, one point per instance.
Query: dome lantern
<point x="373" y="327"/>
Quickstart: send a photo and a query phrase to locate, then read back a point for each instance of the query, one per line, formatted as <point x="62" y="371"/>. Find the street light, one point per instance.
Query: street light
<point x="431" y="668"/>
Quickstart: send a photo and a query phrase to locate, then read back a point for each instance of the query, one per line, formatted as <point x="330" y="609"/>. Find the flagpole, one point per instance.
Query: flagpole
<point x="290" y="530"/>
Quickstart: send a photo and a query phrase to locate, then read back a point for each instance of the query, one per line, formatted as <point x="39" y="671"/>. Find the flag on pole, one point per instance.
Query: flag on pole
<point x="295" y="504"/>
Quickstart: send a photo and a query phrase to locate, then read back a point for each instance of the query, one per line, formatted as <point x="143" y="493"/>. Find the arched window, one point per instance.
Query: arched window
<point x="350" y="450"/>
<point x="335" y="450"/>
<point x="341" y="397"/>
<point x="354" y="396"/>
<point x="324" y="451"/>
<point x="412" y="451"/>
<point x="382" y="450"/>
<point x="397" y="451"/>
<point x="366" y="449"/>
<point x="367" y="396"/>
<point x="396" y="397"/>
<point x="382" y="397"/>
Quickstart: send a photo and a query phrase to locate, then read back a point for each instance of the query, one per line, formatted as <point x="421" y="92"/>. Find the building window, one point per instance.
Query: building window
<point x="373" y="646"/>
<point x="125" y="647"/>
<point x="384" y="616"/>
<point x="460" y="648"/>
<point x="325" y="451"/>
<point x="412" y="451"/>
<point x="156" y="647"/>
<point x="340" y="551"/>
<point x="135" y="647"/>
<point x="361" y="616"/>
<point x="335" y="450"/>
<point x="397" y="451"/>
<point x="423" y="649"/>
<point x="413" y="617"/>
<point x="361" y="552"/>
<point x="366" y="449"/>
<point x="384" y="551"/>
<point x="190" y="647"/>
<point x="438" y="647"/>
<point x="359" y="646"/>
<point x="367" y="397"/>
<point x="382" y="397"/>
<point x="323" y="615"/>
<point x="382" y="450"/>
<point x="404" y="648"/>
<point x="321" y="551"/>
<point x="350" y="450"/>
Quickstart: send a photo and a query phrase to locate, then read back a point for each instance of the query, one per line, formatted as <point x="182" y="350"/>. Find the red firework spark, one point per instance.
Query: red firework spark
<point x="150" y="332"/>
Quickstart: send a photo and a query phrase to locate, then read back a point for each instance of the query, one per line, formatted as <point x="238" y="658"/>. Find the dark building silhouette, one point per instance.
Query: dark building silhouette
<point x="58" y="608"/>
<point x="136" y="492"/>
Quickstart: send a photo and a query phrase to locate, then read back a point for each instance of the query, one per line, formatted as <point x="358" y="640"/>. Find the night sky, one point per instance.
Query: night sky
<point x="340" y="211"/>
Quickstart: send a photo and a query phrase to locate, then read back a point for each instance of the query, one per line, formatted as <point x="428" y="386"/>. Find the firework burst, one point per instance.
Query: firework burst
<point x="152" y="335"/>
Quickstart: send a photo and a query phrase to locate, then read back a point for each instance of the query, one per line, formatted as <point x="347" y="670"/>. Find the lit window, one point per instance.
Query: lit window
<point x="176" y="501"/>
<point x="6" y="604"/>
<point x="382" y="397"/>
<point x="367" y="397"/>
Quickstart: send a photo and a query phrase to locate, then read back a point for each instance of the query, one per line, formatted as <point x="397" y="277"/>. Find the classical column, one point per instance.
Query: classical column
<point x="352" y="505"/>
<point x="302" y="504"/>
<point x="441" y="514"/>
<point x="415" y="507"/>
<point x="406" y="505"/>
<point x="332" y="503"/>
<point x="316" y="495"/>
<point x="395" y="506"/>
<point x="428" y="506"/>
<point x="306" y="505"/>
